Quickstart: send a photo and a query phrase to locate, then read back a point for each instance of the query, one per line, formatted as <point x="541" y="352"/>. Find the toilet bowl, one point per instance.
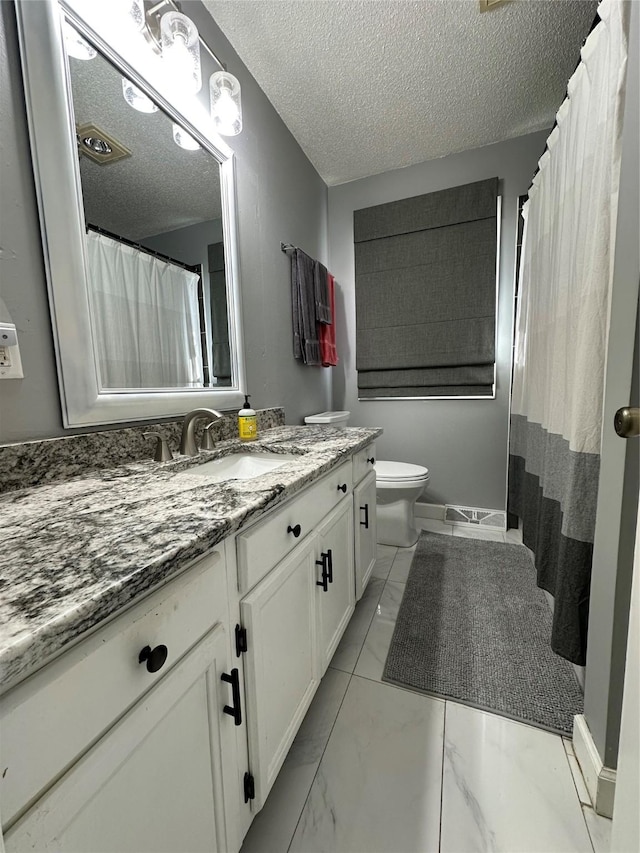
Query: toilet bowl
<point x="398" y="486"/>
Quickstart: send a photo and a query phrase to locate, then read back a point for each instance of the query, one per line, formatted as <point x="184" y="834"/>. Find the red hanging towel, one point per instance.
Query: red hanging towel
<point x="327" y="332"/>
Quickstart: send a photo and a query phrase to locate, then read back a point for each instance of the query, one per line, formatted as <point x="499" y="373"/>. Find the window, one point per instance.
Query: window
<point x="426" y="294"/>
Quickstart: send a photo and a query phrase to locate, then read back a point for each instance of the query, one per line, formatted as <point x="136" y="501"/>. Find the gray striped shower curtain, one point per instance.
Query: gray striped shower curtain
<point x="562" y="326"/>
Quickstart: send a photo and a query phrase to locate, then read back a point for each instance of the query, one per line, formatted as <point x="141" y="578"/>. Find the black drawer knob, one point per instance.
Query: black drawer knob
<point x="343" y="488"/>
<point x="296" y="530"/>
<point x="154" y="658"/>
<point x="372" y="460"/>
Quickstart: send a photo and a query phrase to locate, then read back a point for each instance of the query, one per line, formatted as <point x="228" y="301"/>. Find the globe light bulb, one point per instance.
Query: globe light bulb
<point x="136" y="98"/>
<point x="184" y="139"/>
<point x="75" y="45"/>
<point x="181" y="50"/>
<point x="226" y="107"/>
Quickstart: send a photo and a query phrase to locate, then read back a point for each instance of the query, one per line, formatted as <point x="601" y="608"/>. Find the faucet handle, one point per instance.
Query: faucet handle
<point x="207" y="439"/>
<point x="162" y="453"/>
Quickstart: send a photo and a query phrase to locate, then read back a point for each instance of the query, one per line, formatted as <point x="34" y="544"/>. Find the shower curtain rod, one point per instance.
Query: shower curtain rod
<point x="196" y="268"/>
<point x="286" y="247"/>
<point x="594" y="24"/>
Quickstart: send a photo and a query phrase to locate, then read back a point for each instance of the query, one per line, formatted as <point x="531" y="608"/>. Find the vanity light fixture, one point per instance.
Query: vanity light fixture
<point x="226" y="107"/>
<point x="136" y="98"/>
<point x="181" y="49"/>
<point x="75" y="45"/>
<point x="174" y="37"/>
<point x="184" y="139"/>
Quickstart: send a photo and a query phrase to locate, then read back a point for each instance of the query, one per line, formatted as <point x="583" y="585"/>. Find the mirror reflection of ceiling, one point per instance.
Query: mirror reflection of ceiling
<point x="161" y="187"/>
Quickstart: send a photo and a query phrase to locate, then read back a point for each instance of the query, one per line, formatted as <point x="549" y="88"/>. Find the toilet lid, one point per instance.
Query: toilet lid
<point x="400" y="471"/>
<point x="327" y="418"/>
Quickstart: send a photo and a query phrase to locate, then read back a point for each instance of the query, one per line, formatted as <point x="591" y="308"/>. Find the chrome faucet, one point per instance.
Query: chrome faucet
<point x="188" y="439"/>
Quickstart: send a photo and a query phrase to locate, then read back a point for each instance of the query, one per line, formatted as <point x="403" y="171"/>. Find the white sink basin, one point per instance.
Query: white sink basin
<point x="240" y="466"/>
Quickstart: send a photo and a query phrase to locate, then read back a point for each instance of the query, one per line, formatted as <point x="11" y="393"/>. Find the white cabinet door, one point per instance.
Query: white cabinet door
<point x="364" y="510"/>
<point x="335" y="589"/>
<point x="153" y="782"/>
<point x="281" y="665"/>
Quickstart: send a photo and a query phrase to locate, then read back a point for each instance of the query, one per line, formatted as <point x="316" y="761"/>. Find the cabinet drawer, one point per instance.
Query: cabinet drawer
<point x="263" y="546"/>
<point x="362" y="462"/>
<point x="50" y="719"/>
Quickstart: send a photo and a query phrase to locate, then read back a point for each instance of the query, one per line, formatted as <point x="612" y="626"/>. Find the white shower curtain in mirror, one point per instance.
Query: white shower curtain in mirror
<point x="145" y="318"/>
<point x="563" y="308"/>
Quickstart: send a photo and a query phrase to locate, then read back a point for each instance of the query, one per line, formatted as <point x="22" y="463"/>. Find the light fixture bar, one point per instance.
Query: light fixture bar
<point x="154" y="10"/>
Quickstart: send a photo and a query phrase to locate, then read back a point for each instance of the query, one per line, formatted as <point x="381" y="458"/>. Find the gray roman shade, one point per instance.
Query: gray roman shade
<point x="426" y="294"/>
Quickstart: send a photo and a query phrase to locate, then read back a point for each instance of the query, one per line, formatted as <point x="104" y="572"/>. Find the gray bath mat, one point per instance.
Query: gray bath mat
<point x="474" y="627"/>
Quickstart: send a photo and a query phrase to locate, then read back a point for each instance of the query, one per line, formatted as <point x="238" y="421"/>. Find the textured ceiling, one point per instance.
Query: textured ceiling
<point x="371" y="85"/>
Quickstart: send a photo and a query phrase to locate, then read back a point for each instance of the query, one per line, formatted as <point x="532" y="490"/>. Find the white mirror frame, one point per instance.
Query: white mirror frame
<point x="58" y="188"/>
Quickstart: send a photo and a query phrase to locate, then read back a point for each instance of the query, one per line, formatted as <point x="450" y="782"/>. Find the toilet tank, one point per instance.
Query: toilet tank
<point x="334" y="419"/>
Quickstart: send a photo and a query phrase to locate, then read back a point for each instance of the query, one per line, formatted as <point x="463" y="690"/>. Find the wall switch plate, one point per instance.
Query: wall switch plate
<point x="10" y="362"/>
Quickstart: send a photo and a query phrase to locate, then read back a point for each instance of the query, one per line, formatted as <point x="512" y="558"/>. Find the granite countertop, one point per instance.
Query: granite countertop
<point x="75" y="552"/>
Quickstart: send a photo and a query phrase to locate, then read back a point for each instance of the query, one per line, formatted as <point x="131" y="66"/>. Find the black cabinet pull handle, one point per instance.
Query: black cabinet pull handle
<point x="365" y="523"/>
<point x="296" y="530"/>
<point x="234" y="710"/>
<point x="324" y="583"/>
<point x="329" y="556"/>
<point x="372" y="460"/>
<point x="155" y="658"/>
<point x="343" y="488"/>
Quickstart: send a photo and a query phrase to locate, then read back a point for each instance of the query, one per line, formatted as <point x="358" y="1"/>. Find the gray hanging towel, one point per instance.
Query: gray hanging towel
<point x="322" y="299"/>
<point x="305" y="337"/>
<point x="296" y="316"/>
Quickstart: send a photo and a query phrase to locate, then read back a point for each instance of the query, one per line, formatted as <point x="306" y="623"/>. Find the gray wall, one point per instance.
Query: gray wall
<point x="463" y="443"/>
<point x="190" y="244"/>
<point x="280" y="197"/>
<point x="31" y="406"/>
<point x="618" y="488"/>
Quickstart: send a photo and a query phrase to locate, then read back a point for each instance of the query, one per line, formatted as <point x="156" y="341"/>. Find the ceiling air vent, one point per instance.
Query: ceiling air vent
<point x="98" y="145"/>
<point x="485" y="5"/>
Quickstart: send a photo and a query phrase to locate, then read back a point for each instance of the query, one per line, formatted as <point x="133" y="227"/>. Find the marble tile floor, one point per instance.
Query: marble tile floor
<point x="379" y="769"/>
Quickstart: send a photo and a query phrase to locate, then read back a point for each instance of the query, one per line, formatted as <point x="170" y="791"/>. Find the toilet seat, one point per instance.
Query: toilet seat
<point x="403" y="474"/>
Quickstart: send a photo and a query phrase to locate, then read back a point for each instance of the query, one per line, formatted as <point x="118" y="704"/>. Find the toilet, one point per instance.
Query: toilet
<point x="334" y="419"/>
<point x="398" y="486"/>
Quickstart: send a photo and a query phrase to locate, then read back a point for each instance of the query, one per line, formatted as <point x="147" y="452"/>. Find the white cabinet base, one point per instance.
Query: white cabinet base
<point x="281" y="664"/>
<point x="154" y="781"/>
<point x="364" y="509"/>
<point x="337" y="603"/>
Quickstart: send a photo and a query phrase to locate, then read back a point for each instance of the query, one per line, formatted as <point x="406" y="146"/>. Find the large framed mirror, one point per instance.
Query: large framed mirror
<point x="136" y="196"/>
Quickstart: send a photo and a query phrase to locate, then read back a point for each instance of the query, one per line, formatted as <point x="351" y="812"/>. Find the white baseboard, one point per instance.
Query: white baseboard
<point x="430" y="511"/>
<point x="600" y="780"/>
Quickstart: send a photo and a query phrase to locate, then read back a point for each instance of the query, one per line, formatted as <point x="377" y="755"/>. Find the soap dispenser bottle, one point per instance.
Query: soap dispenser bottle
<point x="247" y="423"/>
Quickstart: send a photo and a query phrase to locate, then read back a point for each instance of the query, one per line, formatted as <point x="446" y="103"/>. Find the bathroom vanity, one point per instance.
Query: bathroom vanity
<point x="163" y="636"/>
